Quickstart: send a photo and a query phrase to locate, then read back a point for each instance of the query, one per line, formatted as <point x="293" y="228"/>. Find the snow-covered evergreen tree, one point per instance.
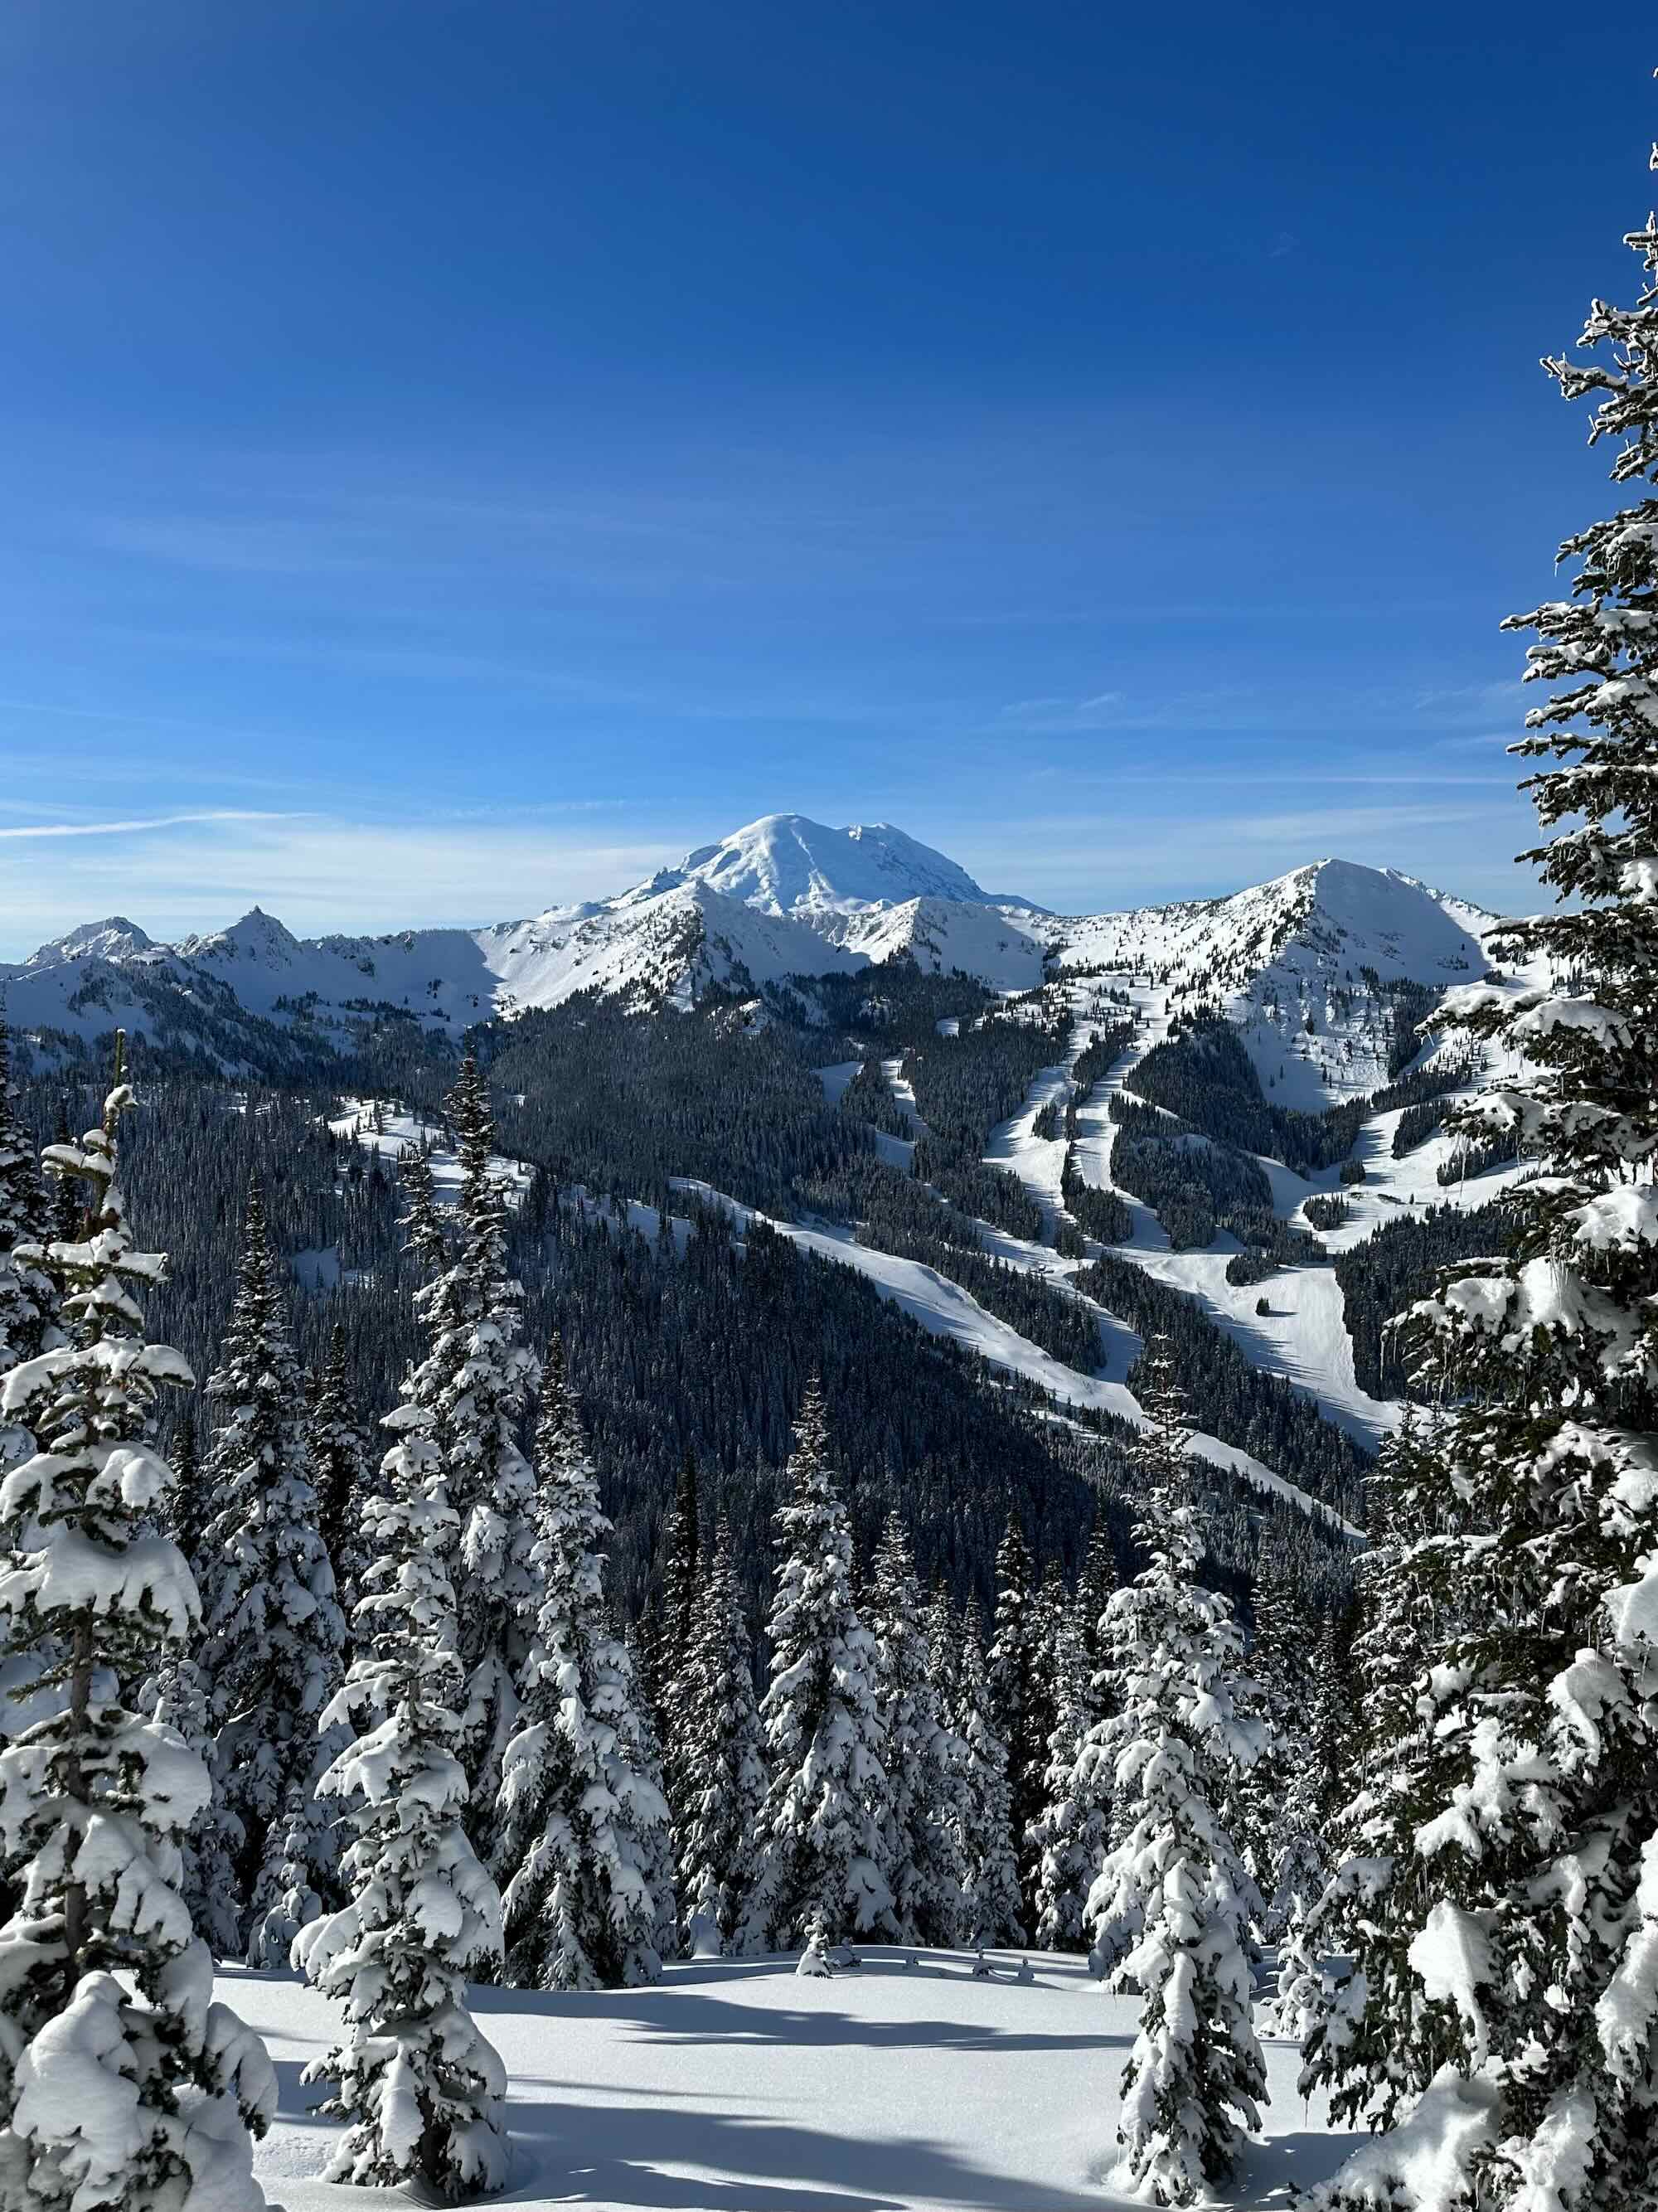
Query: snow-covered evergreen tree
<point x="1282" y="1797"/>
<point x="1169" y="1908"/>
<point x="188" y="1513"/>
<point x="1364" y="2048"/>
<point x="582" y="1836"/>
<point x="273" y="1635"/>
<point x="122" y="2083"/>
<point x="1534" y="1962"/>
<point x="921" y="1759"/>
<point x="994" y="1911"/>
<point x="820" y="1833"/>
<point x="478" y="1381"/>
<point x="176" y="1698"/>
<point x="1079" y="1783"/>
<point x="1068" y="1840"/>
<point x="417" y="2082"/>
<point x="1297" y="2005"/>
<point x="27" y="1296"/>
<point x="656" y="1836"/>
<point x="1094" y="1585"/>
<point x="1014" y="1676"/>
<point x="681" y="1576"/>
<point x="723" y="1755"/>
<point x="339" y="1457"/>
<point x="426" y="1235"/>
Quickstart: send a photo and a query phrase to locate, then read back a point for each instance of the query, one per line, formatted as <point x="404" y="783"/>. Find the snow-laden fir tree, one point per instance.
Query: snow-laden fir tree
<point x="273" y="1641"/>
<point x="1078" y="1784"/>
<point x="1094" y="1585"/>
<point x="122" y="2083"/>
<point x="418" y="2084"/>
<point x="1536" y="1959"/>
<point x="426" y="1238"/>
<point x="188" y="1512"/>
<point x="1297" y="2004"/>
<point x="922" y="1759"/>
<point x="1364" y="2048"/>
<point x="1068" y="1840"/>
<point x="724" y="1755"/>
<point x="822" y="1831"/>
<point x="681" y="1575"/>
<point x="1014" y="1676"/>
<point x="582" y="1849"/>
<point x="657" y="1836"/>
<point x="1283" y="1794"/>
<point x="27" y="1297"/>
<point x="478" y="1380"/>
<point x="176" y="1698"/>
<point x="994" y="1910"/>
<point x="1169" y="1911"/>
<point x="947" y="1673"/>
<point x="339" y="1457"/>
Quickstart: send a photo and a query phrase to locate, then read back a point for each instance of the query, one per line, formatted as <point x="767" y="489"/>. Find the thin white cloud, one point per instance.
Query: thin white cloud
<point x="318" y="873"/>
<point x="146" y="823"/>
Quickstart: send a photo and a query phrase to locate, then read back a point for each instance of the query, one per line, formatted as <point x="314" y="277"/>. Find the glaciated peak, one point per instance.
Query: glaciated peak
<point x="789" y="864"/>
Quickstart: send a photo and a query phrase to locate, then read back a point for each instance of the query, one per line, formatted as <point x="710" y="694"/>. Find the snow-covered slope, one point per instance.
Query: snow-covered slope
<point x="1300" y="965"/>
<point x="1005" y="946"/>
<point x="914" y="2082"/>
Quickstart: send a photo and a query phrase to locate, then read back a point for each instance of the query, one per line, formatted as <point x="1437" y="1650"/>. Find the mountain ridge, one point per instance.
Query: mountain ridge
<point x="785" y="896"/>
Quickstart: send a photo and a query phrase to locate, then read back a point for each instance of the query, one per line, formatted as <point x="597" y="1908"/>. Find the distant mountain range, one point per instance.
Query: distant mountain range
<point x="1299" y="964"/>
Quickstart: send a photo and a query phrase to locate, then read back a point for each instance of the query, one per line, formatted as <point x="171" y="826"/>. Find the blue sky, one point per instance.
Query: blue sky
<point x="460" y="452"/>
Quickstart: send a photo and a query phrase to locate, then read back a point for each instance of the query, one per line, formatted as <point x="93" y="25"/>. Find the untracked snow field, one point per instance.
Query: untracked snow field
<point x="737" y="2087"/>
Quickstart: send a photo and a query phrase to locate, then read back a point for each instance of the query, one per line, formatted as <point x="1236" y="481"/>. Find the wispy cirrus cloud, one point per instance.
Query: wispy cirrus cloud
<point x="1097" y="712"/>
<point x="140" y="824"/>
<point x="318" y="872"/>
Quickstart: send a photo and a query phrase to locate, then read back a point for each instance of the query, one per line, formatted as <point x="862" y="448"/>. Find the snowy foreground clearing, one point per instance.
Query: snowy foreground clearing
<point x="738" y="2084"/>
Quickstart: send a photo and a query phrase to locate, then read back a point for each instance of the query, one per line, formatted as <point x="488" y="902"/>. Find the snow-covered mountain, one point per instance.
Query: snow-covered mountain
<point x="1300" y="964"/>
<point x="1297" y="963"/>
<point x="784" y="864"/>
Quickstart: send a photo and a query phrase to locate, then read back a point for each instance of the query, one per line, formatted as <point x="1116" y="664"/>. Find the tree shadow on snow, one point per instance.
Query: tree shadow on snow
<point x="687" y="2021"/>
<point x="616" y="2156"/>
<point x="1275" y="2173"/>
<point x="296" y="2099"/>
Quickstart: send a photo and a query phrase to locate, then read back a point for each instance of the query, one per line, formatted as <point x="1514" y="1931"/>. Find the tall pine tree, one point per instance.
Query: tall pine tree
<point x="27" y="1296"/>
<point x="680" y="1581"/>
<point x="1168" y="1909"/>
<point x="822" y="1831"/>
<point x="922" y="1861"/>
<point x="724" y="1755"/>
<point x="480" y="1409"/>
<point x="121" y="2081"/>
<point x="1017" y="1697"/>
<point x="416" y="2080"/>
<point x="582" y="1826"/>
<point x="1536" y="1838"/>
<point x="339" y="1457"/>
<point x="274" y="1638"/>
<point x="994" y="1911"/>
